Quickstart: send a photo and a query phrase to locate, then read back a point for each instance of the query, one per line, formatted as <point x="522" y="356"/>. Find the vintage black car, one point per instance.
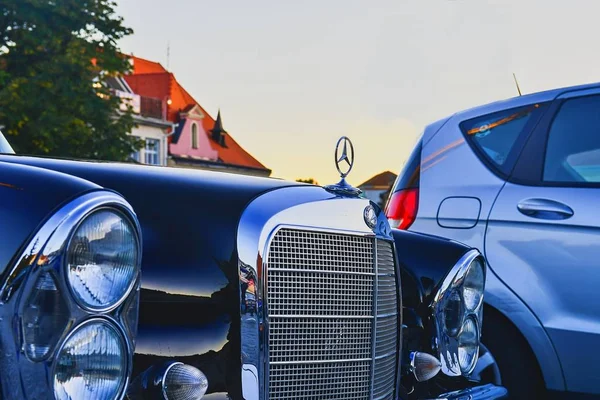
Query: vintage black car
<point x="248" y="288"/>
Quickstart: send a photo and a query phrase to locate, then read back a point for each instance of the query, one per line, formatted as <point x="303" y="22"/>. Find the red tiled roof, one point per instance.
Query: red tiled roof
<point x="150" y="79"/>
<point x="156" y="85"/>
<point x="380" y="181"/>
<point x="141" y="66"/>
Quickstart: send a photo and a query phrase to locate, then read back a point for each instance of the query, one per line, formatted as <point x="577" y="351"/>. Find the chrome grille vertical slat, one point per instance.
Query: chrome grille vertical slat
<point x="375" y="310"/>
<point x="324" y="317"/>
<point x="386" y="351"/>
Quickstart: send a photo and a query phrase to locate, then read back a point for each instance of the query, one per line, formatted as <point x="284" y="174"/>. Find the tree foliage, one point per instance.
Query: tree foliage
<point x="55" y="59"/>
<point x="309" y="180"/>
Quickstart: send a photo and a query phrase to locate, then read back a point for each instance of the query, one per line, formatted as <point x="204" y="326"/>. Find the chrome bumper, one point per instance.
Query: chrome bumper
<point x="486" y="392"/>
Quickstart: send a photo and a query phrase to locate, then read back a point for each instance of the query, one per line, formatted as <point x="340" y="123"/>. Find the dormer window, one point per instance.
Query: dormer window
<point x="194" y="136"/>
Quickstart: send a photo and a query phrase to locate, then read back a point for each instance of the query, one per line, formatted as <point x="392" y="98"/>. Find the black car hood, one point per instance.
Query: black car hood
<point x="117" y="176"/>
<point x="184" y="214"/>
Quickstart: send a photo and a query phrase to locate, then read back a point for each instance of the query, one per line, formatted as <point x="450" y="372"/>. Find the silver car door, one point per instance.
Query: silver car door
<point x="543" y="234"/>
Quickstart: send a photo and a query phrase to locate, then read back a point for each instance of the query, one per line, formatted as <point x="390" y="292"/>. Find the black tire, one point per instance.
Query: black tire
<point x="519" y="369"/>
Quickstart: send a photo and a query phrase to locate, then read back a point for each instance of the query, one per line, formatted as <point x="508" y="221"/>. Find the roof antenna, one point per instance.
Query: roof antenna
<point x="168" y="53"/>
<point x="517" y="83"/>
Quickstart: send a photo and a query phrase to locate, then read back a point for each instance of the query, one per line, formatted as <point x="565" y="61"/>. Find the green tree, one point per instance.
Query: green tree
<point x="309" y="180"/>
<point x="55" y="59"/>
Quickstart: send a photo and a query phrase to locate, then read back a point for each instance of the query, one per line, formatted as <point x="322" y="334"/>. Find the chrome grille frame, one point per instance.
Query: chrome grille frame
<point x="306" y="209"/>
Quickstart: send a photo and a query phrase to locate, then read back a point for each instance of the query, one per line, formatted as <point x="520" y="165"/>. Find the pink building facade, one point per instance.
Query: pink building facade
<point x="190" y="140"/>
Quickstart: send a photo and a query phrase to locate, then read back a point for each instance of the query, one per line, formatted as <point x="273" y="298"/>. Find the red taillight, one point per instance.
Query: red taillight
<point x="402" y="208"/>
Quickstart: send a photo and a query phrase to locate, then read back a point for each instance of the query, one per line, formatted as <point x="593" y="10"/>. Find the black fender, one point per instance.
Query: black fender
<point x="29" y="196"/>
<point x="424" y="261"/>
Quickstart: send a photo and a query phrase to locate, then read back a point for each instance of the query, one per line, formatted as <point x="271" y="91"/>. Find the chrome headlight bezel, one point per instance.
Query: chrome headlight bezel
<point x="447" y="340"/>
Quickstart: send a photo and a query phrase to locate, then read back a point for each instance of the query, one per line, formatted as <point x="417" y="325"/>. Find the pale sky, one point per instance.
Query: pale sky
<point x="291" y="77"/>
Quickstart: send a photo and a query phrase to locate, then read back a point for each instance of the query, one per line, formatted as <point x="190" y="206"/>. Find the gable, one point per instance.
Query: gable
<point x="192" y="112"/>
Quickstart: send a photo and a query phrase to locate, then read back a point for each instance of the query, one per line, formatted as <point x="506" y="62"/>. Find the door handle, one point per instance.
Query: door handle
<point x="545" y="209"/>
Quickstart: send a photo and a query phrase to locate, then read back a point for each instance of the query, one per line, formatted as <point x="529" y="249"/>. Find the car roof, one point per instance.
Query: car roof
<point x="537" y="97"/>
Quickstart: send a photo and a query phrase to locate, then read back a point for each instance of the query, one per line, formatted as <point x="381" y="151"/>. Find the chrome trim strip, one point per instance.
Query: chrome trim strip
<point x="325" y="271"/>
<point x="375" y="319"/>
<point x="304" y="208"/>
<point x="325" y="316"/>
<point x="320" y="361"/>
<point x="446" y="346"/>
<point x="400" y="322"/>
<point x="164" y="375"/>
<point x="457" y="272"/>
<point x="385" y="355"/>
<point x="387" y="315"/>
<point x="484" y="392"/>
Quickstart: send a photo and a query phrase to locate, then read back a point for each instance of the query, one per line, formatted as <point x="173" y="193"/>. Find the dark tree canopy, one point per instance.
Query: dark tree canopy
<point x="309" y="180"/>
<point x="55" y="57"/>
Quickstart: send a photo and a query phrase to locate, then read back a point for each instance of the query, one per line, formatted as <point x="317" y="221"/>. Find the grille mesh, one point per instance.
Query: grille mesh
<point x="320" y="289"/>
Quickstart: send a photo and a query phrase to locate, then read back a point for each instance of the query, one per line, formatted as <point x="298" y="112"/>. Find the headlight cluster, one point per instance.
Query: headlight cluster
<point x="79" y="312"/>
<point x="458" y="308"/>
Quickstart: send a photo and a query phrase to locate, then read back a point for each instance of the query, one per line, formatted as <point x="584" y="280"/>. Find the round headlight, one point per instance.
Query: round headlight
<point x="102" y="260"/>
<point x="92" y="363"/>
<point x="473" y="285"/>
<point x="468" y="346"/>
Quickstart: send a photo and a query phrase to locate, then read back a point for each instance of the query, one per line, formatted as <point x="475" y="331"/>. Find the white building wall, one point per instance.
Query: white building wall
<point x="373" y="195"/>
<point x="151" y="132"/>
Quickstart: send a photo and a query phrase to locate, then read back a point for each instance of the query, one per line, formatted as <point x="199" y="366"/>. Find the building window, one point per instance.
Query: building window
<point x="194" y="136"/>
<point x="152" y="152"/>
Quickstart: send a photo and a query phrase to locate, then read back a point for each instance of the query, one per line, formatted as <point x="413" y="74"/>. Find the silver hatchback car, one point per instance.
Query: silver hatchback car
<point x="520" y="180"/>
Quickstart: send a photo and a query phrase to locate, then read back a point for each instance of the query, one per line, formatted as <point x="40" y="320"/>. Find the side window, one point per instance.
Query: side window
<point x="573" y="149"/>
<point x="152" y="152"/>
<point x="495" y="135"/>
<point x="194" y="136"/>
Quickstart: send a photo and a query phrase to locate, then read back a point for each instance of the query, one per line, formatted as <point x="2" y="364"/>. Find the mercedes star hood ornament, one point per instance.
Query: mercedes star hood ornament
<point x="344" y="161"/>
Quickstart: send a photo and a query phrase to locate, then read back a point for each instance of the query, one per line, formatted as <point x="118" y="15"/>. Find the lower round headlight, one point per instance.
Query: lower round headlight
<point x="102" y="260"/>
<point x="468" y="346"/>
<point x="92" y="363"/>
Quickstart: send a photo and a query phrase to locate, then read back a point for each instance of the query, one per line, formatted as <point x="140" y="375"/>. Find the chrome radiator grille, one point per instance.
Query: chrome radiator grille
<point x="332" y="309"/>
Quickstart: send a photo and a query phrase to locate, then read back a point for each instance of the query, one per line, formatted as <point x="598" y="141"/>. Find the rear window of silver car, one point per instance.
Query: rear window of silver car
<point x="497" y="136"/>
<point x="573" y="150"/>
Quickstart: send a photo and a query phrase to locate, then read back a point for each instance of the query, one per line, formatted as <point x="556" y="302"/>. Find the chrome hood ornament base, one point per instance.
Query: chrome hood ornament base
<point x="344" y="158"/>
